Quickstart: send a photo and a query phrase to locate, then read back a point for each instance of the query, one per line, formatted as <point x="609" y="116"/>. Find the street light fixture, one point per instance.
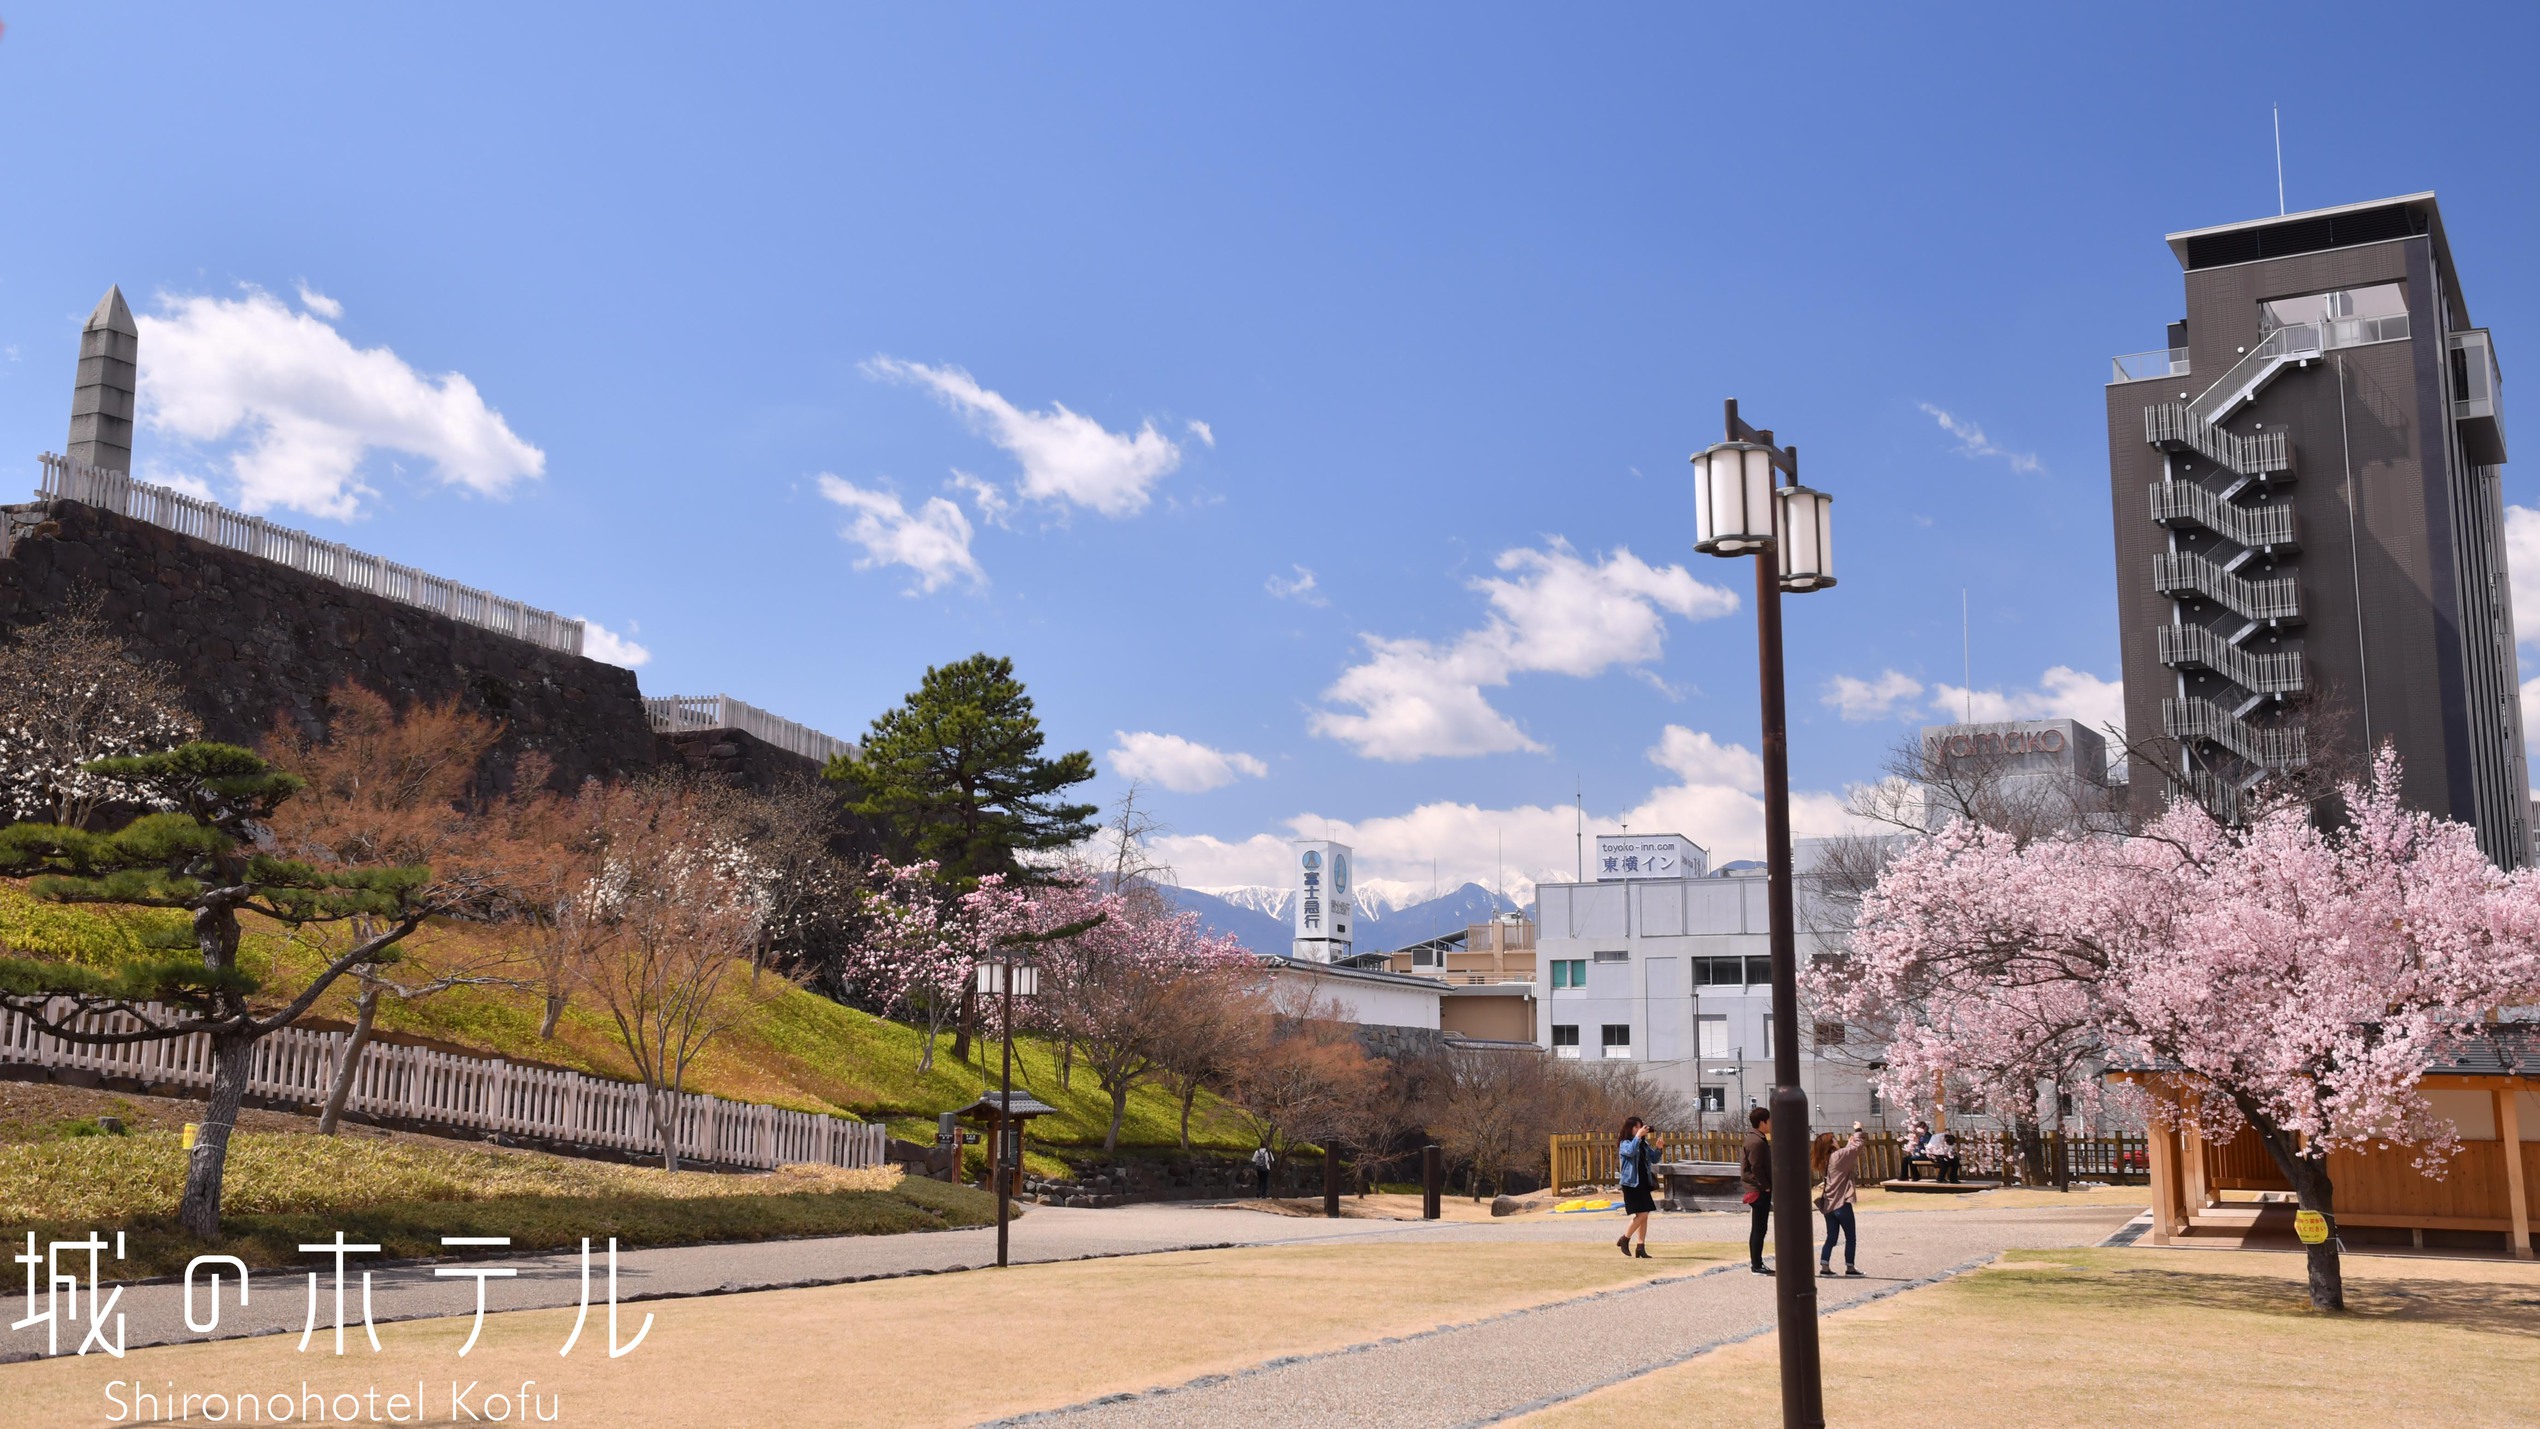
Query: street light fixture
<point x="1006" y="979"/>
<point x="1738" y="511"/>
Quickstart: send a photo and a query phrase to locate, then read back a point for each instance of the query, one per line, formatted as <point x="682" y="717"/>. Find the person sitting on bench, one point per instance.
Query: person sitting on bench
<point x="1941" y="1150"/>
<point x="1909" y="1152"/>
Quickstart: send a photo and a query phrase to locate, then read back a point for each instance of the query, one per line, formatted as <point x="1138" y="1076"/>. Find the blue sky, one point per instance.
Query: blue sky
<point x="803" y="348"/>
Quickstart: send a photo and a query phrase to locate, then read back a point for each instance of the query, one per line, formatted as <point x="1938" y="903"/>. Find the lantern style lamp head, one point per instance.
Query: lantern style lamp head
<point x="1807" y="538"/>
<point x="993" y="975"/>
<point x="1733" y="499"/>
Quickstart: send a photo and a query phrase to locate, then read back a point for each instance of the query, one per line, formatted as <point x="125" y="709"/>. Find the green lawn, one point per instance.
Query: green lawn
<point x="800" y="1051"/>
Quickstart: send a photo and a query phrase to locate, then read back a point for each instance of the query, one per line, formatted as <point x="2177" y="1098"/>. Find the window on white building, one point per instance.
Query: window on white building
<point x="1565" y="1039"/>
<point x="1711" y="1037"/>
<point x="1715" y="1099"/>
<point x="1617" y="1038"/>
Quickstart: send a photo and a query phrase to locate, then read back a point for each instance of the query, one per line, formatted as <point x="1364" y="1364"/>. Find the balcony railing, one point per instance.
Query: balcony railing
<point x="681" y="714"/>
<point x="2180" y="503"/>
<point x="2142" y="366"/>
<point x="2267" y="672"/>
<point x="2272" y="601"/>
<point x="2282" y="747"/>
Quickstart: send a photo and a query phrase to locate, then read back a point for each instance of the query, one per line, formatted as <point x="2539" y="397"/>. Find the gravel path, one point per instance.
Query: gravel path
<point x="278" y="1298"/>
<point x="1498" y="1368"/>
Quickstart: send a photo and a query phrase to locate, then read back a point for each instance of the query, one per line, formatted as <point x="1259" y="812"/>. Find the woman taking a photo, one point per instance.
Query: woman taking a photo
<point x="1636" y="1169"/>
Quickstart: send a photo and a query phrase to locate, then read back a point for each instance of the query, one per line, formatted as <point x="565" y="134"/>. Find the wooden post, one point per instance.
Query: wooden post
<point x="2157" y="1140"/>
<point x="2192" y="1143"/>
<point x="2509" y="1128"/>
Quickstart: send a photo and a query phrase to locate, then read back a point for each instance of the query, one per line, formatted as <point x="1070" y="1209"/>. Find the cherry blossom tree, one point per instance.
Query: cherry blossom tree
<point x="921" y="942"/>
<point x="1118" y="989"/>
<point x="2296" y="975"/>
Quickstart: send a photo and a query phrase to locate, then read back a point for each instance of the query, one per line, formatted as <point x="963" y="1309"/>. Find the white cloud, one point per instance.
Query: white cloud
<point x="1065" y="455"/>
<point x="2062" y="693"/>
<point x="1300" y="588"/>
<point x="1552" y="612"/>
<point x="1179" y="764"/>
<point x="933" y="540"/>
<point x="2522" y="566"/>
<point x="1712" y="799"/>
<point x="990" y="498"/>
<point x="610" y="648"/>
<point x="319" y="303"/>
<point x="1973" y="442"/>
<point x="1859" y="700"/>
<point x="2531" y="719"/>
<point x="309" y="406"/>
<point x="1697" y="758"/>
<point x="1207" y="434"/>
<point x="185" y="481"/>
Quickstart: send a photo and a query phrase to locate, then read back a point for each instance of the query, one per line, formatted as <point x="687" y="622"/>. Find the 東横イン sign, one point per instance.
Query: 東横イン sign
<point x="2311" y="1226"/>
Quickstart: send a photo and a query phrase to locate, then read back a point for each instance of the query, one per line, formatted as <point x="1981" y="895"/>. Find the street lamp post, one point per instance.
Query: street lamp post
<point x="1005" y="979"/>
<point x="1740" y="509"/>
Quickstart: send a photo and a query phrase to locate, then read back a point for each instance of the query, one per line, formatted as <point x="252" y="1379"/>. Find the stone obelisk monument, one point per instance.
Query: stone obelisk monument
<point x="102" y="398"/>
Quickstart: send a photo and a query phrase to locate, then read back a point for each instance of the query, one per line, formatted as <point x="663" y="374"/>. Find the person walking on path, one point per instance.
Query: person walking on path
<point x="1755" y="1173"/>
<point x="1836" y="1199"/>
<point x="1636" y="1171"/>
<point x="1261" y="1171"/>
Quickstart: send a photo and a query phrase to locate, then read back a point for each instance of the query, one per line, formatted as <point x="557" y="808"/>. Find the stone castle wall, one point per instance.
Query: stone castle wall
<point x="252" y="640"/>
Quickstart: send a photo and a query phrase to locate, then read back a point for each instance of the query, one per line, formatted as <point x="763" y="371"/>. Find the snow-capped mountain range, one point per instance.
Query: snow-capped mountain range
<point x="1391" y="915"/>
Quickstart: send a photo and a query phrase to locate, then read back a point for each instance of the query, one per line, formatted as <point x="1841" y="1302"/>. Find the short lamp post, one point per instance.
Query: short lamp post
<point x="1006" y="979"/>
<point x="1742" y="509"/>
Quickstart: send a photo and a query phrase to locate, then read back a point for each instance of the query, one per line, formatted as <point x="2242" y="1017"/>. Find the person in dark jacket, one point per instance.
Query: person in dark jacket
<point x="1755" y="1173"/>
<point x="1636" y="1167"/>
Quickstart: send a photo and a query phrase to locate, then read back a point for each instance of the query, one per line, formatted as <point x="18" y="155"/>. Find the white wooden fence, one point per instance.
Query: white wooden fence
<point x="416" y="1084"/>
<point x="68" y="480"/>
<point x="678" y="714"/>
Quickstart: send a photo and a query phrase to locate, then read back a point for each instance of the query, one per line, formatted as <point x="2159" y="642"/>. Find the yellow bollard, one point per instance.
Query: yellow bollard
<point x="191" y="1130"/>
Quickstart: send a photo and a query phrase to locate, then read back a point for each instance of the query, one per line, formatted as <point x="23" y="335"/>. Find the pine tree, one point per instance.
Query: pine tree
<point x="199" y="856"/>
<point x="955" y="775"/>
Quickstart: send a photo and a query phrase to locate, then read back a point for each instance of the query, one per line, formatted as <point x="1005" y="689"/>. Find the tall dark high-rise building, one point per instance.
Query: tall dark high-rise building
<point x="2309" y="525"/>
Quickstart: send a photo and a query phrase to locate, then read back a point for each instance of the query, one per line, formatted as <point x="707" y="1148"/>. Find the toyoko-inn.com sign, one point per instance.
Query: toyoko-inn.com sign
<point x="1620" y="856"/>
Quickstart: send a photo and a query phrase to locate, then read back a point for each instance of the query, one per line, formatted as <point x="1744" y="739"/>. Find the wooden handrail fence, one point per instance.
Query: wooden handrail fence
<point x="67" y="480"/>
<point x="416" y="1084"/>
<point x="1586" y="1159"/>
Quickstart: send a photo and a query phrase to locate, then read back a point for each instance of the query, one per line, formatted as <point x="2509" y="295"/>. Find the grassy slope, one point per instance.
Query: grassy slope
<point x="285" y="1189"/>
<point x="801" y="1051"/>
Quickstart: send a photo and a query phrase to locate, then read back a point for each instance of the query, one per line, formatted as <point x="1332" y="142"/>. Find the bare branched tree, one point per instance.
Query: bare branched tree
<point x="71" y="691"/>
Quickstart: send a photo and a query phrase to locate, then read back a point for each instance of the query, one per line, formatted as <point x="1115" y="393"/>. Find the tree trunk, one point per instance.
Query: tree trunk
<point x="926" y="1051"/>
<point x="2032" y="1146"/>
<point x="199" y="1212"/>
<point x="1067" y="1074"/>
<point x="1119" y="1109"/>
<point x="2312" y="1192"/>
<point x="1190" y="1093"/>
<point x="366" y="1012"/>
<point x="961" y="1028"/>
<point x="665" y="1120"/>
<point x="555" y="1010"/>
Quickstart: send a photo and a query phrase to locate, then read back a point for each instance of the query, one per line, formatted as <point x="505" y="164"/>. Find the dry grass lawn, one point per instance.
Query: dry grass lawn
<point x="903" y="1351"/>
<point x="2094" y="1337"/>
<point x="2009" y="1198"/>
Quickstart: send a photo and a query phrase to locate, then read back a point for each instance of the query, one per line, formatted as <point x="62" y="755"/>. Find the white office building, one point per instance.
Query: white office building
<point x="1671" y="967"/>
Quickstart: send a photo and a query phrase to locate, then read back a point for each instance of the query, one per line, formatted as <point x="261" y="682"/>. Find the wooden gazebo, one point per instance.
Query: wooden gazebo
<point x="2487" y="1083"/>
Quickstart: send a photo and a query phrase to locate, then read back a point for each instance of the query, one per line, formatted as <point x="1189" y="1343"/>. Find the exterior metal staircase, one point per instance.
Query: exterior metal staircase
<point x="2193" y="719"/>
<point x="2272" y="601"/>
<point x="2174" y="426"/>
<point x="2264" y="529"/>
<point x="2258" y="671"/>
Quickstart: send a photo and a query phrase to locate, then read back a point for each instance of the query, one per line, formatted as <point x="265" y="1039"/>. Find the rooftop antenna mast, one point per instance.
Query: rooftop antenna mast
<point x="2279" y="158"/>
<point x="1578" y="812"/>
<point x="1503" y="872"/>
<point x="1967" y="654"/>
